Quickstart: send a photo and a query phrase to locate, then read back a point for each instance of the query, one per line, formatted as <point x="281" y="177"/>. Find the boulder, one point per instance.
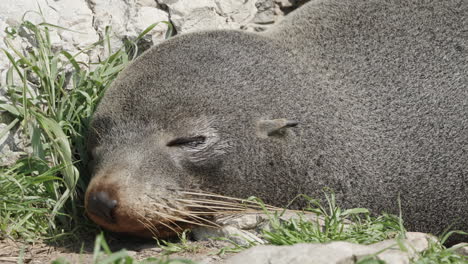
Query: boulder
<point x="391" y="251"/>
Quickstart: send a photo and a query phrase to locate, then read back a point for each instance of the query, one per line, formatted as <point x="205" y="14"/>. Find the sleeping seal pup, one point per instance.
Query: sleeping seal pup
<point x="366" y="97"/>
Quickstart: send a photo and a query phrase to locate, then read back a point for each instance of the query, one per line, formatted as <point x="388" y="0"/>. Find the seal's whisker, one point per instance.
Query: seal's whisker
<point x="227" y="207"/>
<point x="217" y="202"/>
<point x="149" y="225"/>
<point x="174" y="223"/>
<point x="218" y="207"/>
<point x="212" y="206"/>
<point x="243" y="201"/>
<point x="169" y="227"/>
<point x="209" y="223"/>
<point x="172" y="218"/>
<point x="223" y="212"/>
<point x="199" y="220"/>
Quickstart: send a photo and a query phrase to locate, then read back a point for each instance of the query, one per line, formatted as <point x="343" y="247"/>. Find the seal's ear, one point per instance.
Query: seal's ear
<point x="272" y="127"/>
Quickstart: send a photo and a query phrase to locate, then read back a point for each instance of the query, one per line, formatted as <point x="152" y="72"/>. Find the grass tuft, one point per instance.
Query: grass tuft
<point x="183" y="245"/>
<point x="50" y="97"/>
<point x="438" y="253"/>
<point x="353" y="225"/>
<point x="25" y="201"/>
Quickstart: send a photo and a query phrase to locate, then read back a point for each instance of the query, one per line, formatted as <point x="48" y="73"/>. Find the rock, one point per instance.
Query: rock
<point x="265" y="12"/>
<point x="246" y="229"/>
<point x="461" y="249"/>
<point x="189" y="15"/>
<point x="210" y="260"/>
<point x="236" y="235"/>
<point x="10" y="146"/>
<point x="70" y="14"/>
<point x="335" y="252"/>
<point x="128" y="19"/>
<point x="255" y="220"/>
<point x="249" y="221"/>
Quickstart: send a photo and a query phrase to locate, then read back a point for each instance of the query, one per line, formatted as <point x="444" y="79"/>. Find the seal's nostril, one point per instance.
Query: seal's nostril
<point x="100" y="204"/>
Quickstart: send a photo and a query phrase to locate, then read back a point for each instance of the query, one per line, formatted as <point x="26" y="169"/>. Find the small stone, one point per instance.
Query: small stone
<point x="461" y="249"/>
<point x="236" y="235"/>
<point x="210" y="260"/>
<point x="247" y="221"/>
<point x="265" y="12"/>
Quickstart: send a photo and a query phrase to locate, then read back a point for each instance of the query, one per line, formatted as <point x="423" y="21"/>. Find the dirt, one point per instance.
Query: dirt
<point x="80" y="250"/>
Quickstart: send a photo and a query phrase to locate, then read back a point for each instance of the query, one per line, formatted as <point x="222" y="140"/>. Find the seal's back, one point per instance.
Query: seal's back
<point x="389" y="80"/>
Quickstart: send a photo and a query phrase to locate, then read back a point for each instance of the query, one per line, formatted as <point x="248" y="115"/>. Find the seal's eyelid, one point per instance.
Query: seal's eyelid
<point x="186" y="141"/>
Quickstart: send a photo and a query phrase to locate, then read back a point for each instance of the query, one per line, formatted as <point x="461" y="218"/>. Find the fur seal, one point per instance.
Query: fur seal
<point x="366" y="97"/>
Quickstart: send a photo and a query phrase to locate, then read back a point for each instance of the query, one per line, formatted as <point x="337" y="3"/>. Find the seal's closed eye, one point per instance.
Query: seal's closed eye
<point x="188" y="141"/>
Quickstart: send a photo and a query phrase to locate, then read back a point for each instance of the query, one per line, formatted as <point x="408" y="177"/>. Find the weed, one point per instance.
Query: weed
<point x="103" y="255"/>
<point x="439" y="254"/>
<point x="352" y="225"/>
<point x="234" y="247"/>
<point x="50" y="99"/>
<point x="182" y="246"/>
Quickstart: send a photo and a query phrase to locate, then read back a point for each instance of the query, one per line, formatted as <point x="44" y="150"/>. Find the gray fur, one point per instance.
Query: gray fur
<point x="379" y="89"/>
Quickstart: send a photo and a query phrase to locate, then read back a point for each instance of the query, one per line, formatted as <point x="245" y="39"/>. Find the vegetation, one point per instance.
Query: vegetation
<point x="438" y="253"/>
<point x="183" y="245"/>
<point x="51" y="96"/>
<point x="352" y="225"/>
<point x="103" y="255"/>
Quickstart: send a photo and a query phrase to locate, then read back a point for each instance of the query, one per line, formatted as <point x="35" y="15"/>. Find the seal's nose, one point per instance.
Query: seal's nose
<point x="100" y="204"/>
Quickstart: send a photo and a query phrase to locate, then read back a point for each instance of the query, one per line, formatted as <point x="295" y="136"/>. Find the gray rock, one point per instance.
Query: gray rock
<point x="10" y="145"/>
<point x="128" y="19"/>
<point x="188" y="15"/>
<point x="236" y="235"/>
<point x="265" y="12"/>
<point x="461" y="249"/>
<point x="335" y="252"/>
<point x="213" y="259"/>
<point x="245" y="229"/>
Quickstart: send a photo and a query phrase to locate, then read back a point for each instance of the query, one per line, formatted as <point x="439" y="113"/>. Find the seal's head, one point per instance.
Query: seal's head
<point x="169" y="132"/>
<point x="143" y="184"/>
